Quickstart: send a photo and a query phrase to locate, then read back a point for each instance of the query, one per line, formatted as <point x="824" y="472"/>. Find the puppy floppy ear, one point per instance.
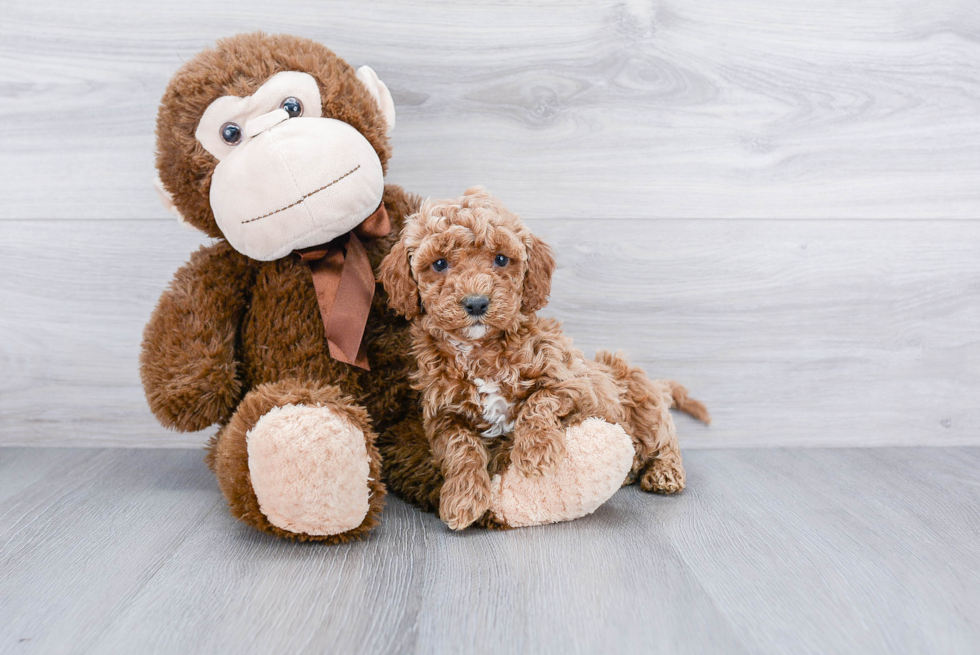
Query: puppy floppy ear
<point x="395" y="274"/>
<point x="537" y="280"/>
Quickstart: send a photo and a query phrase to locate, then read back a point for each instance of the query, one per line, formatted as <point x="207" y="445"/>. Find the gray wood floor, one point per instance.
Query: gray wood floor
<point x="769" y="551"/>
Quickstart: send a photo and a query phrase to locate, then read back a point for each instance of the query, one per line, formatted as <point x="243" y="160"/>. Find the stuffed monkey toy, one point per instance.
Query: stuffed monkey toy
<point x="277" y="332"/>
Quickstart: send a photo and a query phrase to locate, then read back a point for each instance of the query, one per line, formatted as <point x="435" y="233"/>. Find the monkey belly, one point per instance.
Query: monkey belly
<point x="283" y="337"/>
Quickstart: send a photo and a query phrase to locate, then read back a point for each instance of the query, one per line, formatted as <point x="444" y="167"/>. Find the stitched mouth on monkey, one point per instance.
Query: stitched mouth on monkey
<point x="303" y="198"/>
<point x="279" y="192"/>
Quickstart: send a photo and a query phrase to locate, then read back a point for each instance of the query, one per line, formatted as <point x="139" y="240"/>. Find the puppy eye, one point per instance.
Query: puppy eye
<point x="501" y="260"/>
<point x="440" y="265"/>
<point x="292" y="106"/>
<point x="231" y="134"/>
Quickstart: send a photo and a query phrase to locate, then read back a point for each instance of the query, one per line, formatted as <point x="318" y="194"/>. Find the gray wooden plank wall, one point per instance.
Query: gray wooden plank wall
<point x="644" y="140"/>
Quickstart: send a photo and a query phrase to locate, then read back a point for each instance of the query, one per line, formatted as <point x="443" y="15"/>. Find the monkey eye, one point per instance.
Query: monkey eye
<point x="231" y="133"/>
<point x="501" y="260"/>
<point x="440" y="265"/>
<point x="292" y="106"/>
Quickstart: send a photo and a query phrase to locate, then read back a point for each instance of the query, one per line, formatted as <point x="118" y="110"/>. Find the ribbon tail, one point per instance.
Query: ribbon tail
<point x="360" y="361"/>
<point x="349" y="317"/>
<point x="344" y="287"/>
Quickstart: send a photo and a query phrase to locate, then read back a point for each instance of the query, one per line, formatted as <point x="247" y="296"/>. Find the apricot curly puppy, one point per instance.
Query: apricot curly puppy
<point x="473" y="276"/>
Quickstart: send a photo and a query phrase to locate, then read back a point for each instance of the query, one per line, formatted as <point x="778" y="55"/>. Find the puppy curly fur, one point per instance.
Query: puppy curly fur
<point x="506" y="384"/>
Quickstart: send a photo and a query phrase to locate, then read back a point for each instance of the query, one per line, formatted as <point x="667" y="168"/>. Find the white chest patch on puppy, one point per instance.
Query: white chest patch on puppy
<point x="496" y="409"/>
<point x="477" y="331"/>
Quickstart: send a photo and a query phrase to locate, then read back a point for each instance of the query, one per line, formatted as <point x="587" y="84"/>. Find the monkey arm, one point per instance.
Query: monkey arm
<point x="188" y="364"/>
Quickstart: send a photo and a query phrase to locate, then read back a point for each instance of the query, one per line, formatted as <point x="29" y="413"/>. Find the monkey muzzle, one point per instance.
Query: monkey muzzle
<point x="293" y="184"/>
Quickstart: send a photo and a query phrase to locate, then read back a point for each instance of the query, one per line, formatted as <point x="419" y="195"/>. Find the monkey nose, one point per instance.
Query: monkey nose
<point x="260" y="124"/>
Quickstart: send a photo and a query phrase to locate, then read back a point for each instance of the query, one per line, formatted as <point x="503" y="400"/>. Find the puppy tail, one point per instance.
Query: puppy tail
<point x="642" y="388"/>
<point x="683" y="402"/>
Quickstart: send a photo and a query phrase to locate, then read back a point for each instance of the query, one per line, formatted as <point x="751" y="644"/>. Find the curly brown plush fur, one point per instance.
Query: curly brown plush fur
<point x="503" y="371"/>
<point x="232" y="337"/>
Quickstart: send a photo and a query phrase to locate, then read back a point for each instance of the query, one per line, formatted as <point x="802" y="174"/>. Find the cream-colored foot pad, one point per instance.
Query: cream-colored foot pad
<point x="309" y="470"/>
<point x="599" y="456"/>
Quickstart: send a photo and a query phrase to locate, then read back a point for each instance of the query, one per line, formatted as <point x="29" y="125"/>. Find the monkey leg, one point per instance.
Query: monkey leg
<point x="409" y="469"/>
<point x="298" y="460"/>
<point x="597" y="459"/>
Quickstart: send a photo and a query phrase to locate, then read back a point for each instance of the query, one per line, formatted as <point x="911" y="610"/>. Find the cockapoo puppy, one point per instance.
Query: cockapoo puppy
<point x="472" y="276"/>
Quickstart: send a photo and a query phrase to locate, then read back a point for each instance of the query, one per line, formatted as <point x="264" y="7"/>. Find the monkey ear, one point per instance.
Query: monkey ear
<point x="167" y="201"/>
<point x="379" y="92"/>
<point x="396" y="275"/>
<point x="537" y="280"/>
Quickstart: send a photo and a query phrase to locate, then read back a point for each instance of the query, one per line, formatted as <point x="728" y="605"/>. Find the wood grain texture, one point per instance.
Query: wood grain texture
<point x="768" y="551"/>
<point x="578" y="108"/>
<point x="799" y="333"/>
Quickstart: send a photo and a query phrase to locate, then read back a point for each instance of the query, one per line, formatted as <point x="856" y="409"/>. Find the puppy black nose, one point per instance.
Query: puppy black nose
<point x="476" y="305"/>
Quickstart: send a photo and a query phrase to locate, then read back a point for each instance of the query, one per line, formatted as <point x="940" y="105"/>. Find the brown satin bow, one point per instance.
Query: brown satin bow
<point x="344" y="283"/>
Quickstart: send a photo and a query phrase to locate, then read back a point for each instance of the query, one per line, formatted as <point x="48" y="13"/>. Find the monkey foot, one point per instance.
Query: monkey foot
<point x="598" y="459"/>
<point x="309" y="469"/>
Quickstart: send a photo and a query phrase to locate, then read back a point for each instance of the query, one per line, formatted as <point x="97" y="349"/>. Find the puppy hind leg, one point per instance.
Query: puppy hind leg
<point x="664" y="472"/>
<point x="646" y="404"/>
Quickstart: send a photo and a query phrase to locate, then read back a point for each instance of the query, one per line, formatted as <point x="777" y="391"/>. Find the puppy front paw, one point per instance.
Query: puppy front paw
<point x="539" y="454"/>
<point x="462" y="501"/>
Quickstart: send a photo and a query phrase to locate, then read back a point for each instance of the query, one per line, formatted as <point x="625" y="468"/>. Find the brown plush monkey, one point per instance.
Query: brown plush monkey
<point x="277" y="332"/>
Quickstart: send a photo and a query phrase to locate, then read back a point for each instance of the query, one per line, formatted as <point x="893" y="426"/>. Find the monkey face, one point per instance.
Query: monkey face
<point x="273" y="143"/>
<point x="286" y="178"/>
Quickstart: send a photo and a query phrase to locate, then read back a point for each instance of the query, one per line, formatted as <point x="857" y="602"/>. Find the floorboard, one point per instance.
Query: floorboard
<point x="768" y="551"/>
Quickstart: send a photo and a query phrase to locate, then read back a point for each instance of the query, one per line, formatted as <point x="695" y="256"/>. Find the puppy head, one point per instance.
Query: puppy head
<point x="470" y="264"/>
